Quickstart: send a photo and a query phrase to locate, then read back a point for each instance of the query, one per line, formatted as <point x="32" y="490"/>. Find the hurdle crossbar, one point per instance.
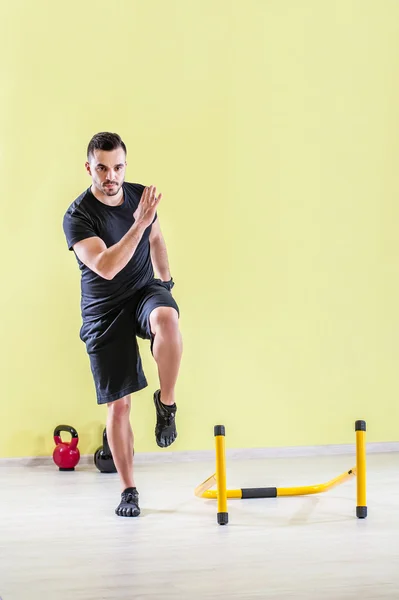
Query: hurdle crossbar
<point x="204" y="491"/>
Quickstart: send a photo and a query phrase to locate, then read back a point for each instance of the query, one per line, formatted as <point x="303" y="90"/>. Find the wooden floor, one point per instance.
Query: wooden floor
<point x="60" y="538"/>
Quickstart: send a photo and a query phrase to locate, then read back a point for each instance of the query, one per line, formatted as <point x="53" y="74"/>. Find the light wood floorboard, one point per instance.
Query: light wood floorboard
<point x="60" y="538"/>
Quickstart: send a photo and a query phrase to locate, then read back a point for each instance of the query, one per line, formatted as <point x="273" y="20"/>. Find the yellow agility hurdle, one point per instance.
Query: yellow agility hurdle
<point x="221" y="494"/>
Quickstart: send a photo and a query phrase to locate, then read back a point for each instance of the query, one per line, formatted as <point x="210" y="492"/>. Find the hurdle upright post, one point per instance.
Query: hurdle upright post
<point x="223" y="515"/>
<point x="361" y="505"/>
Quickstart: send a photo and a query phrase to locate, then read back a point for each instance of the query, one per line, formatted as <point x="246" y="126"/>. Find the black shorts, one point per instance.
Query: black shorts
<point x="111" y="343"/>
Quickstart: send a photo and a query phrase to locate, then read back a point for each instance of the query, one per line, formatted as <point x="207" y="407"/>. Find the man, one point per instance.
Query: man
<point x="114" y="232"/>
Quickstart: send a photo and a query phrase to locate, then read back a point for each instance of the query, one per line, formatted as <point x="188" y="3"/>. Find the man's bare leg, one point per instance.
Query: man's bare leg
<point x="120" y="439"/>
<point x="167" y="351"/>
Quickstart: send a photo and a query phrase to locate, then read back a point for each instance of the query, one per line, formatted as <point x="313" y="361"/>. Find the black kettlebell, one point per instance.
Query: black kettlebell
<point x="103" y="457"/>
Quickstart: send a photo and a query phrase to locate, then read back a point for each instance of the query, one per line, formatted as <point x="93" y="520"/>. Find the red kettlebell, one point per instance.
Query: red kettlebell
<point x="66" y="455"/>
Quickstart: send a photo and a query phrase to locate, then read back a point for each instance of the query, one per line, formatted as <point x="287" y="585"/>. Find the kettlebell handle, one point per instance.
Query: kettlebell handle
<point x="75" y="438"/>
<point x="106" y="448"/>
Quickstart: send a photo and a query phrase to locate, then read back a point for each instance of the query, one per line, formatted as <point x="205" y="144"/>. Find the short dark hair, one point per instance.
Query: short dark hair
<point x="105" y="141"/>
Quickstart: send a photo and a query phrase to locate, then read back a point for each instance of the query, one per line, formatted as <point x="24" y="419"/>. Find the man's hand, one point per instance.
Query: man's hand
<point x="145" y="212"/>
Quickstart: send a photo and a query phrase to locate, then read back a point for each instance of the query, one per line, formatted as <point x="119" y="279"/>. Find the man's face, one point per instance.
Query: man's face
<point x="107" y="170"/>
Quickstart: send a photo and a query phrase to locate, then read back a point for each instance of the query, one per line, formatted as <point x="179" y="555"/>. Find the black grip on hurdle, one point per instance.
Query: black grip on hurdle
<point x="270" y="492"/>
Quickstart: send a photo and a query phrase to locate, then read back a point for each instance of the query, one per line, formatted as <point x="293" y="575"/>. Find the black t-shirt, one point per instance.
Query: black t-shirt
<point x="88" y="217"/>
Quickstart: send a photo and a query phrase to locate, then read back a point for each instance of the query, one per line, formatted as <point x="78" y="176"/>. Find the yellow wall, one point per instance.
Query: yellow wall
<point x="271" y="127"/>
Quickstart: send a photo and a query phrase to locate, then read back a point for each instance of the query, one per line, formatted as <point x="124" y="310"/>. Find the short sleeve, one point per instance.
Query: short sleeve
<point x="77" y="227"/>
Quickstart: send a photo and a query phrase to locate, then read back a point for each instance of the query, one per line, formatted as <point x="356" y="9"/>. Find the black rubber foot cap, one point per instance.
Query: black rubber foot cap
<point x="223" y="518"/>
<point x="65" y="469"/>
<point x="360" y="426"/>
<point x="361" y="512"/>
<point x="219" y="430"/>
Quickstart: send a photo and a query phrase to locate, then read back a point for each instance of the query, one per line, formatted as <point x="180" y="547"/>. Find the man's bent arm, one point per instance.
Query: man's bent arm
<point x="108" y="262"/>
<point x="159" y="255"/>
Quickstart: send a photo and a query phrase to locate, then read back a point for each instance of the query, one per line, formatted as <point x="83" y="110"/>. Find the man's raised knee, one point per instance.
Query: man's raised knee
<point x="164" y="317"/>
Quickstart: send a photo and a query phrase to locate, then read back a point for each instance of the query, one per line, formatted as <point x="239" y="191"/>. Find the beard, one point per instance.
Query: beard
<point x="111" y="190"/>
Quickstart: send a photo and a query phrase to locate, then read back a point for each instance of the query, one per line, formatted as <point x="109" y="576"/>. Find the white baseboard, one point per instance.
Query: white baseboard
<point x="259" y="453"/>
<point x="236" y="454"/>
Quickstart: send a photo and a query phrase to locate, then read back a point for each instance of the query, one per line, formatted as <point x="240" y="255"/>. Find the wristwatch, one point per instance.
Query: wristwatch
<point x="169" y="284"/>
